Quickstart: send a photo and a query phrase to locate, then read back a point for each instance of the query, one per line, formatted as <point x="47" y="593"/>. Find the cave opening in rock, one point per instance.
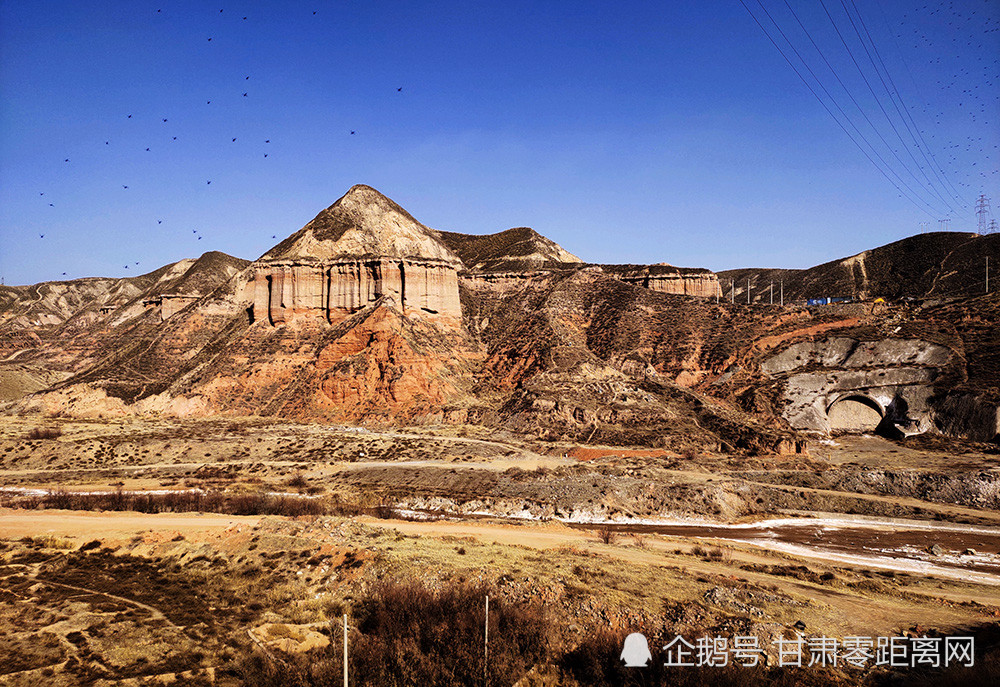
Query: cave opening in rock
<point x="854" y="414"/>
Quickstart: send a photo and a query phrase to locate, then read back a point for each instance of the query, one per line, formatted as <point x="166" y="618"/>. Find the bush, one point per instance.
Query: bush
<point x="412" y="635"/>
<point x="43" y="433"/>
<point x="407" y="634"/>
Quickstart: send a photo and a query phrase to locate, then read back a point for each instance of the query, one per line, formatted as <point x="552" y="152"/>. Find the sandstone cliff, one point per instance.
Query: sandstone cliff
<point x="360" y="249"/>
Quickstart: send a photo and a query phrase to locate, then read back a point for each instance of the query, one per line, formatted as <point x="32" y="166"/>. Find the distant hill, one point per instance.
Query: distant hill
<point x="937" y="264"/>
<point x="80" y="300"/>
<point x="520" y="248"/>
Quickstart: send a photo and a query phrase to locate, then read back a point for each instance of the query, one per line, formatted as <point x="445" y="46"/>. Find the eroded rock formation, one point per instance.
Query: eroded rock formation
<point x="668" y="279"/>
<point x="285" y="289"/>
<point x="362" y="248"/>
<point x="842" y="384"/>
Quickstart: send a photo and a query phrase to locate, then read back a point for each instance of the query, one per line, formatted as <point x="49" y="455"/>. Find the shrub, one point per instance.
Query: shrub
<point x="43" y="433"/>
<point x="607" y="535"/>
<point x="410" y="634"/>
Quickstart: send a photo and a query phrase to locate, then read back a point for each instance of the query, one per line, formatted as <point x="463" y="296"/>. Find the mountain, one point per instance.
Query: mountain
<point x="517" y="250"/>
<point x="361" y="223"/>
<point x="365" y="315"/>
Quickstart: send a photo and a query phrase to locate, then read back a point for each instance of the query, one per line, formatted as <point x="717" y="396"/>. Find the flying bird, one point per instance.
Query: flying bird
<point x="399" y="90"/>
<point x="66" y="160"/>
<point x="352" y="133"/>
<point x="124" y="186"/>
<point x="41" y="236"/>
<point x="244" y="95"/>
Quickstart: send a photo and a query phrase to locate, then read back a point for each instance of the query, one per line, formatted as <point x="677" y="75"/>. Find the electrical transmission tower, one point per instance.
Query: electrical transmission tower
<point x="992" y="228"/>
<point x="983" y="213"/>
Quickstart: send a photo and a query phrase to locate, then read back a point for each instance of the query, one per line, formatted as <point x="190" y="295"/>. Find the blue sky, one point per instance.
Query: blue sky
<point x="627" y="132"/>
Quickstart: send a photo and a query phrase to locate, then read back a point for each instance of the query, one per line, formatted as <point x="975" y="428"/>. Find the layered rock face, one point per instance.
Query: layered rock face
<point x="362" y="248"/>
<point x="285" y="289"/>
<point x="684" y="283"/>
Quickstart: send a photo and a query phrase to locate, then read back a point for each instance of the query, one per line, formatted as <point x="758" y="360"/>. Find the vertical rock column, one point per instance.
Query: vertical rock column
<point x="392" y="281"/>
<point x="307" y="290"/>
<point x="276" y="309"/>
<point x="261" y="295"/>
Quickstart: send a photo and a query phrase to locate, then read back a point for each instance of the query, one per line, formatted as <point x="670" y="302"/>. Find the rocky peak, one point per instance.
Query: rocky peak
<point x="363" y="222"/>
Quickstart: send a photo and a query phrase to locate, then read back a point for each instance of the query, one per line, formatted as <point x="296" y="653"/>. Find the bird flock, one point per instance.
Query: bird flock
<point x="128" y="116"/>
<point x="857" y="65"/>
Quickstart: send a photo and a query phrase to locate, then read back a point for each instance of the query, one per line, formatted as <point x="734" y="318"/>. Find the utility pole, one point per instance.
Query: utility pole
<point x="772" y="292"/>
<point x="782" y="283"/>
<point x="923" y="227"/>
<point x="345" y="650"/>
<point x="732" y="290"/>
<point x="944" y="224"/>
<point x="987" y="274"/>
<point x="486" y="643"/>
<point x="748" y="290"/>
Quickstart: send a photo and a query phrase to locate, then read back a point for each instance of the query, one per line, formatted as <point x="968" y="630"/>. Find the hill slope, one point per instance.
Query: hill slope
<point x="938" y="264"/>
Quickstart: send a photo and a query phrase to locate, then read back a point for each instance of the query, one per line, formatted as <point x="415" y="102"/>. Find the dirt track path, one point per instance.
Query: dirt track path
<point x="156" y="613"/>
<point x="15" y="524"/>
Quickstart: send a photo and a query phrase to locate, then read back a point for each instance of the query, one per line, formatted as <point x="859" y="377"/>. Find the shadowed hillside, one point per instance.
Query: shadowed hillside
<point x="933" y="265"/>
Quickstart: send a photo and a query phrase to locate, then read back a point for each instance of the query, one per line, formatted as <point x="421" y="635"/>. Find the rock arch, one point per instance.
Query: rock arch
<point x="854" y="413"/>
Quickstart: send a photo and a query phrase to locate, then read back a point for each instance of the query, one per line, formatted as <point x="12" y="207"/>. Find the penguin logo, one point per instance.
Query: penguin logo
<point x="635" y="653"/>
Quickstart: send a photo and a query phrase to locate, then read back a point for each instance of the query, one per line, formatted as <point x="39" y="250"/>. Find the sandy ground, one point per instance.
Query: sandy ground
<point x="742" y="561"/>
<point x="15" y="524"/>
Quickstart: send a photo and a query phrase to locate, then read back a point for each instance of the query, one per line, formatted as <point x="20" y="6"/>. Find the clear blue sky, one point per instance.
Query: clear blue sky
<point x="626" y="132"/>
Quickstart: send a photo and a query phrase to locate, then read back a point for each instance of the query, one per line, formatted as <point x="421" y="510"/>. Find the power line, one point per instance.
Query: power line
<point x="911" y="127"/>
<point x="864" y="77"/>
<point x="830" y="112"/>
<point x="856" y="104"/>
